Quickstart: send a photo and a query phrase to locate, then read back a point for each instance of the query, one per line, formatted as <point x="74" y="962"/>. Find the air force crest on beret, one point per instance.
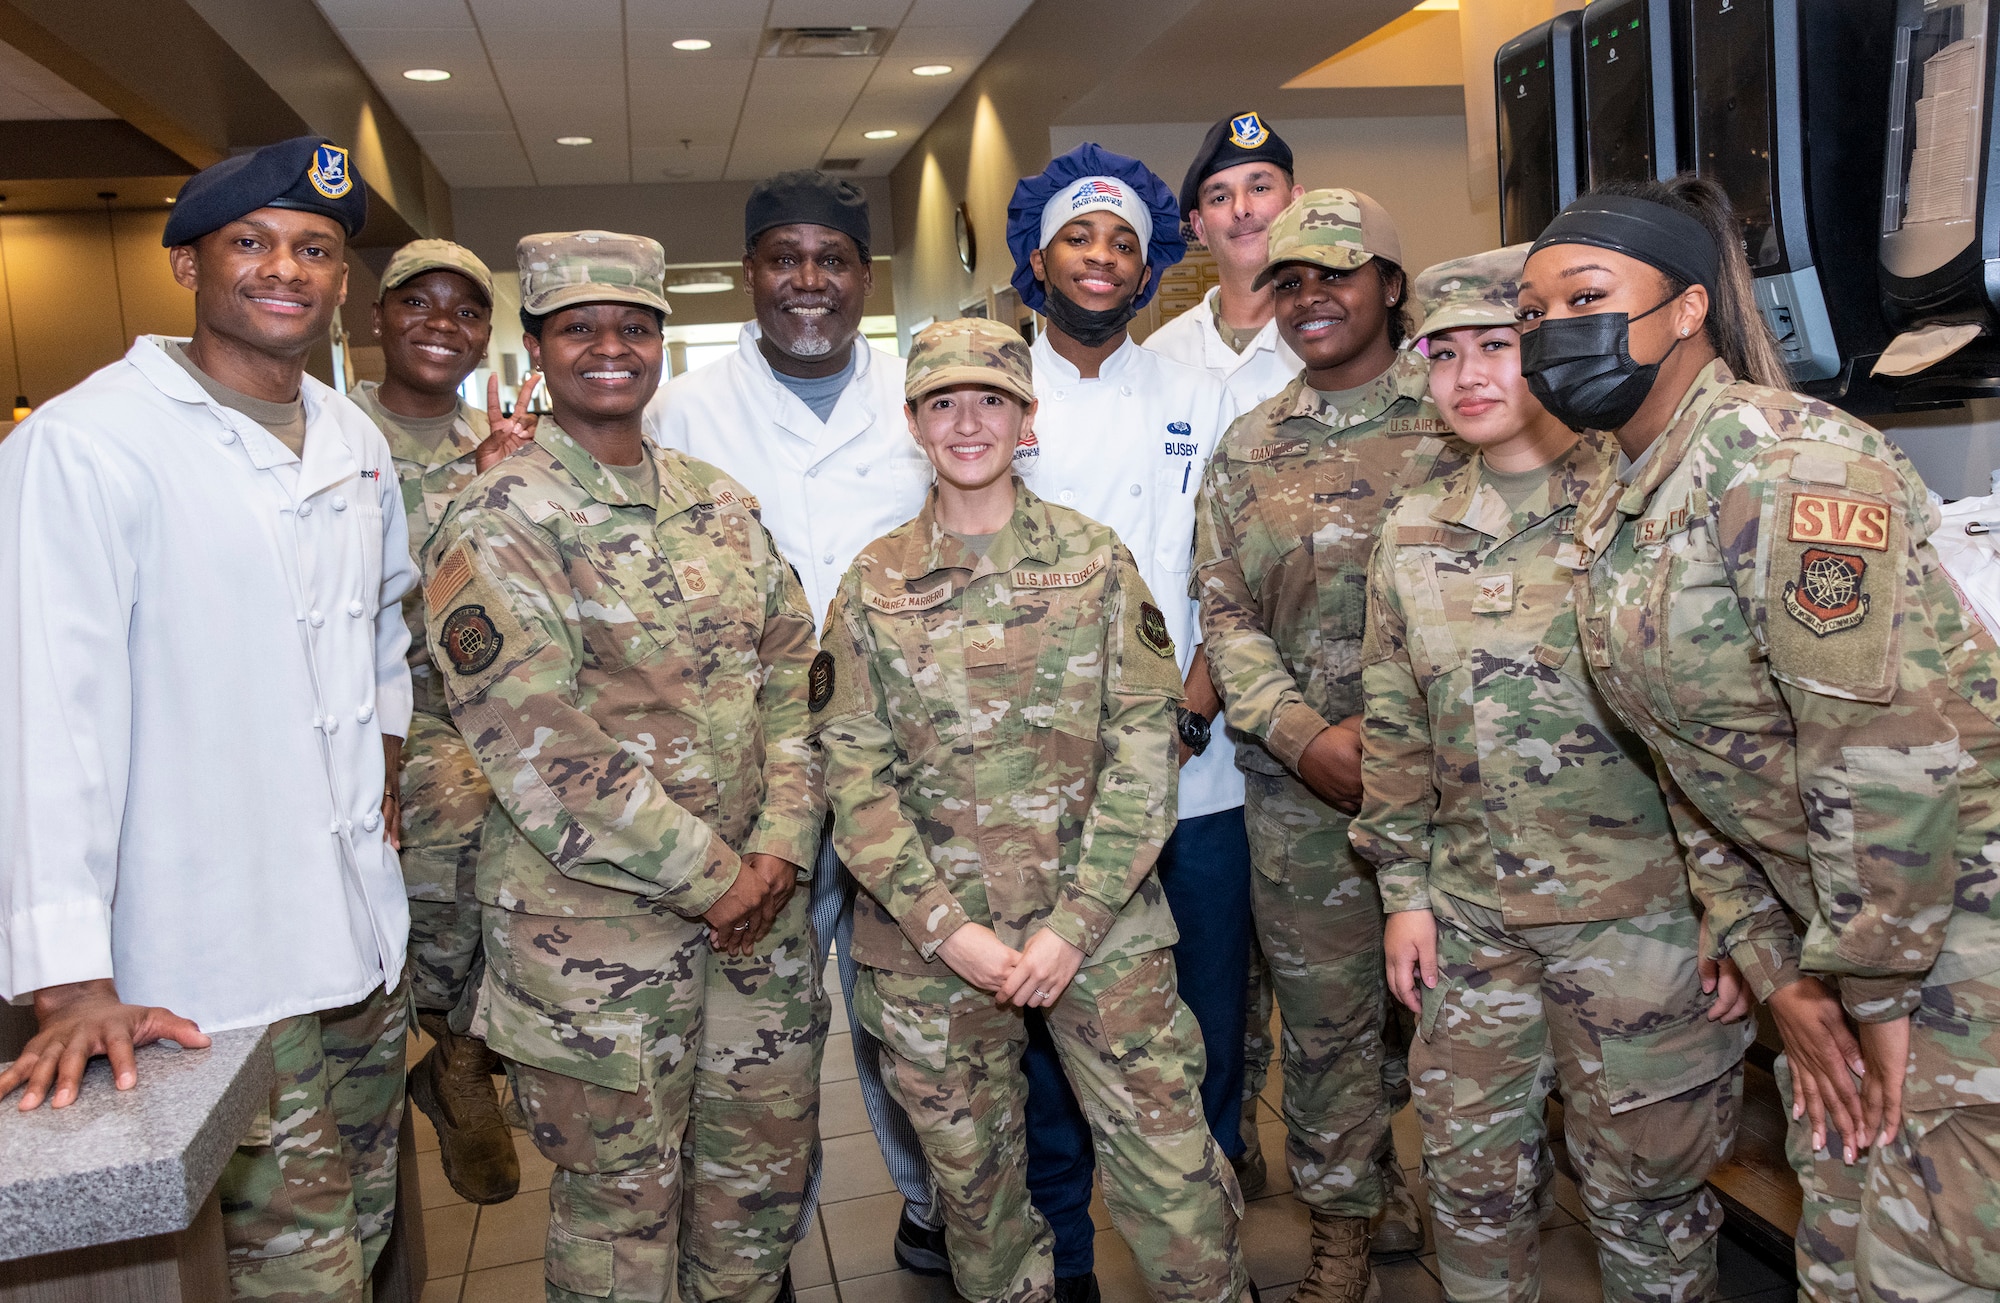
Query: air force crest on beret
<point x="1248" y="131"/>
<point x="328" y="173"/>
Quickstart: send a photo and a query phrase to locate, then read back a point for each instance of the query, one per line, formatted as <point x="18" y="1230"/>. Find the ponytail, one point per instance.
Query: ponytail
<point x="1735" y="328"/>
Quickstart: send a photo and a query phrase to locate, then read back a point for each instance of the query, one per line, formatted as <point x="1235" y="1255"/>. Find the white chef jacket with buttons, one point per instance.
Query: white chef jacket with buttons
<point x="200" y="650"/>
<point x="827" y="488"/>
<point x="1259" y="371"/>
<point x="1128" y="450"/>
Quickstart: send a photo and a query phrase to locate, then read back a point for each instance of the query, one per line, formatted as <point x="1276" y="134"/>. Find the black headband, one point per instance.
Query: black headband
<point x="1653" y="233"/>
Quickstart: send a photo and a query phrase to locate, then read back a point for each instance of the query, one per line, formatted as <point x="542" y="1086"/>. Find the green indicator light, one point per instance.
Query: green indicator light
<point x="1634" y="26"/>
<point x="1541" y="63"/>
<point x="1593" y="42"/>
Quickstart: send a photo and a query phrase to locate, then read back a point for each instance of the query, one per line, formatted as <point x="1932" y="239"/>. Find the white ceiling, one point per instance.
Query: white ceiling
<point x="526" y="71"/>
<point x="30" y="91"/>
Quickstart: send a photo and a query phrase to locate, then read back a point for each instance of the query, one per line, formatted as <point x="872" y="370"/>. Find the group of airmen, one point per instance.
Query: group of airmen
<point x="1499" y="668"/>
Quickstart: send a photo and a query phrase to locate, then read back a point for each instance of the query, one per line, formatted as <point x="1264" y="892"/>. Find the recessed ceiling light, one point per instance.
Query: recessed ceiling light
<point x="692" y="43"/>
<point x="573" y="140"/>
<point x="1438" y="6"/>
<point x="704" y="282"/>
<point x="427" y="74"/>
<point x="884" y="134"/>
<point x="932" y="70"/>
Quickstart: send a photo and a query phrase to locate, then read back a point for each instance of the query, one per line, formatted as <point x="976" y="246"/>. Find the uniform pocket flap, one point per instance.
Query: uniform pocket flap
<point x="1138" y="1006"/>
<point x="579" y="1265"/>
<point x="912" y="1029"/>
<point x="603" y="1048"/>
<point x="1646" y="1067"/>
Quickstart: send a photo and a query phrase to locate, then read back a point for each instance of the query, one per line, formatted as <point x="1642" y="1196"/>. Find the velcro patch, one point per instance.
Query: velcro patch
<point x="540" y="509"/>
<point x="1266" y="451"/>
<point x="1415" y="425"/>
<point x="1494" y="595"/>
<point x="453" y="574"/>
<point x="1153" y="629"/>
<point x="731" y="498"/>
<point x="1058" y="578"/>
<point x="469" y="640"/>
<point x="889" y="605"/>
<point x="693" y="575"/>
<point x="1455" y="537"/>
<point x="1845" y="522"/>
<point x="819" y="681"/>
<point x="1826" y="597"/>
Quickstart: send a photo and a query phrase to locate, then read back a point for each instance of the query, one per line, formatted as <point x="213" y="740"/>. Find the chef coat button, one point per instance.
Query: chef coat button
<point x="372" y="822"/>
<point x="339" y="503"/>
<point x="305" y="509"/>
<point x="1061" y="394"/>
<point x="334" y="827"/>
<point x="1135" y="490"/>
<point x="813" y="474"/>
<point x="317" y="721"/>
<point x="315" y="619"/>
<point x="357" y="610"/>
<point x="862" y="471"/>
<point x="332" y="725"/>
<point x="1125" y="391"/>
<point x="228" y="435"/>
<point x="827" y="559"/>
<point x="365" y="714"/>
<point x="1068" y="496"/>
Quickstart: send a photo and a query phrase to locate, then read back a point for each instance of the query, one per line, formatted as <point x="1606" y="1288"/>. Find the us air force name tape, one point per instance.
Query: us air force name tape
<point x="307" y="173"/>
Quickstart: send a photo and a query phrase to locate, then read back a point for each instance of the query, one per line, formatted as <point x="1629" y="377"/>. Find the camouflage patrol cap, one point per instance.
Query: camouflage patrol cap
<point x="1475" y="291"/>
<point x="420" y="256"/>
<point x="969" y="351"/>
<point x="1331" y="228"/>
<point x="560" y="269"/>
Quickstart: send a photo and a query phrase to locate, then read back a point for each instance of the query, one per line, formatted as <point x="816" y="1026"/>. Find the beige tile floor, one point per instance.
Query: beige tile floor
<point x="494" y="1254"/>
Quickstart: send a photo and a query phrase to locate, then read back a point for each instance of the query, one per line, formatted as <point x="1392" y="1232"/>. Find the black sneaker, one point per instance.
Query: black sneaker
<point x="920" y="1248"/>
<point x="1078" y="1289"/>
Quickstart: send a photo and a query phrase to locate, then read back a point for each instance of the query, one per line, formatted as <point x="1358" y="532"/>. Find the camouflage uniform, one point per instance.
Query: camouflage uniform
<point x="309" y="1196"/>
<point x="631" y="673"/>
<point x="1291" y="507"/>
<point x="1763" y="608"/>
<point x="444" y="796"/>
<point x="999" y="742"/>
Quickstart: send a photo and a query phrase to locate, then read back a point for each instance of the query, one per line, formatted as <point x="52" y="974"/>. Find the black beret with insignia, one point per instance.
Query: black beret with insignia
<point x="307" y="173"/>
<point x="1240" y="139"/>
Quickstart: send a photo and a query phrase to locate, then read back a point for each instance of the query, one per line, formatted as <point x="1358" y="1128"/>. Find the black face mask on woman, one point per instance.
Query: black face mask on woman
<point x="1086" y="326"/>
<point x="1581" y="368"/>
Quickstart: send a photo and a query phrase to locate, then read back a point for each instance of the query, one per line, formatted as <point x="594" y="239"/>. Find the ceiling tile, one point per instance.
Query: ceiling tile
<point x="658" y="14"/>
<point x="595" y="165"/>
<point x="554" y="43"/>
<point x="965" y="13"/>
<point x="396" y="13"/>
<point x="51" y="95"/>
<point x="838" y="13"/>
<point x="963" y="47"/>
<point x="724" y="43"/>
<point x="477" y="158"/>
<point x="457" y="50"/>
<point x="542" y="16"/>
<point x="672" y="163"/>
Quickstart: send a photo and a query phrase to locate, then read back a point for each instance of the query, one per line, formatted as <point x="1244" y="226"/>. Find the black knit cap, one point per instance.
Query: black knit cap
<point x="807" y="195"/>
<point x="307" y="173"/>
<point x="1240" y="138"/>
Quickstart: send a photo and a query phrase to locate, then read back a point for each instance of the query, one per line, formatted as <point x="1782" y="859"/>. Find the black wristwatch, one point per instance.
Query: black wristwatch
<point x="1193" y="729"/>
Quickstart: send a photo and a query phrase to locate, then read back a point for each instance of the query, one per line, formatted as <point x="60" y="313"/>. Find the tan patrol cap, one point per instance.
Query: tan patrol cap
<point x="1331" y="228"/>
<point x="420" y="256"/>
<point x="969" y="351"/>
<point x="1479" y="290"/>
<point x="560" y="269"/>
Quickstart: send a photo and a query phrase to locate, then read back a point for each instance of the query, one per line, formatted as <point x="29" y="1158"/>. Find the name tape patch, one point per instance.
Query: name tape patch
<point x="930" y="597"/>
<point x="1058" y="578"/>
<point x="1824" y="518"/>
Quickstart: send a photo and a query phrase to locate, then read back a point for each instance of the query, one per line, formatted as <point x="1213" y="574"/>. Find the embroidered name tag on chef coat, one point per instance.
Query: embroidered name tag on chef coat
<point x="889" y="605"/>
<point x="695" y="580"/>
<point x="1494" y="595"/>
<point x="1058" y="578"/>
<point x="1824" y="518"/>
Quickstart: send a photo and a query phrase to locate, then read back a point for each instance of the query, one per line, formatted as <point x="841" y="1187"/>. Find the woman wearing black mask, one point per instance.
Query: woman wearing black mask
<point x="1760" y="604"/>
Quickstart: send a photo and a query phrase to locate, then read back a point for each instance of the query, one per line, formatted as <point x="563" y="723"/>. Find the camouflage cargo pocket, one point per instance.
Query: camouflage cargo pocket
<point x="579" y="1265"/>
<point x="1153" y="1081"/>
<point x="1649" y="1066"/>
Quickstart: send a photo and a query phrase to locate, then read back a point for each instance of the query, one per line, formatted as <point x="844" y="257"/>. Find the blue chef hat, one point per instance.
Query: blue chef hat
<point x="1025" y="211"/>
<point x="308" y="173"/>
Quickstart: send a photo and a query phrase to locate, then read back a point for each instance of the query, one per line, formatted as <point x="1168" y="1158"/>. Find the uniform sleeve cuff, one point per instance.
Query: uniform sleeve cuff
<point x="395" y="700"/>
<point x="1767" y="966"/>
<point x="54" y="945"/>
<point x="931" y="921"/>
<point x="1081" y="921"/>
<point x="1292" y="732"/>
<point x="791" y="840"/>
<point x="1404" y="886"/>
<point x="1880" y="999"/>
<point x="698" y="894"/>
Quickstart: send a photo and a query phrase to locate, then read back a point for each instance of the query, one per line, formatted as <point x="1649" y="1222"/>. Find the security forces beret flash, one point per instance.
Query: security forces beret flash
<point x="307" y="173"/>
<point x="810" y="196"/>
<point x="1242" y="138"/>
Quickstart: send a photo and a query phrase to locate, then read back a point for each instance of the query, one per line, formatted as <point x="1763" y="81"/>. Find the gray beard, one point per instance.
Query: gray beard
<point x="811" y="342"/>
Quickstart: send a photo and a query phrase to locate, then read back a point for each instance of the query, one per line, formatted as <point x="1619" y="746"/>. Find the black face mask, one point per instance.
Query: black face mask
<point x="1087" y="327"/>
<point x="1581" y="368"/>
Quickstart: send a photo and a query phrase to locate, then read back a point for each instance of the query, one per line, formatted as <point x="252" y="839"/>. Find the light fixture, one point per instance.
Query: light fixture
<point x="932" y="70"/>
<point x="172" y="200"/>
<point x="702" y="282"/>
<point x="426" y="74"/>
<point x="21" y="408"/>
<point x="1437" y="6"/>
<point x="692" y="43"/>
<point x="573" y="140"/>
<point x="884" y="134"/>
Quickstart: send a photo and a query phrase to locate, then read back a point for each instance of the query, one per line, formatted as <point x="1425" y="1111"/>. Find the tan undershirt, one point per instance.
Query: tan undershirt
<point x="641" y="480"/>
<point x="285" y="421"/>
<point x="1238" y="340"/>
<point x="1514" y="487"/>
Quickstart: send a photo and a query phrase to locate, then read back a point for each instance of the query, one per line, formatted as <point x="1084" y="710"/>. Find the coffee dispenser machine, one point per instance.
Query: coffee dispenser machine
<point x="1630" y="120"/>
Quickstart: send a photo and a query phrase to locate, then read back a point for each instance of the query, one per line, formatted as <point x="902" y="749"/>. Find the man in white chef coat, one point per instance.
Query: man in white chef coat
<point x="809" y="417"/>
<point x="1123" y="435"/>
<point x="202" y="700"/>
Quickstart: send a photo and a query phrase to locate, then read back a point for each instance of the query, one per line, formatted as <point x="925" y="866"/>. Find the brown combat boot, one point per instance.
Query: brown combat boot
<point x="1399" y="1227"/>
<point x="1339" y="1272"/>
<point x="453" y="1085"/>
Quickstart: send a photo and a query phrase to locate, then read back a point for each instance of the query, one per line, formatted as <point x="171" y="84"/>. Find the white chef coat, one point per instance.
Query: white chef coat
<point x="200" y="649"/>
<point x="1253" y="375"/>
<point x="827" y="488"/>
<point x="1128" y="450"/>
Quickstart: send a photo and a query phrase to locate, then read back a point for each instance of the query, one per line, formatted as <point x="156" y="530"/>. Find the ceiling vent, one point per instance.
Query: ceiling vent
<point x="826" y="42"/>
<point x="840" y="165"/>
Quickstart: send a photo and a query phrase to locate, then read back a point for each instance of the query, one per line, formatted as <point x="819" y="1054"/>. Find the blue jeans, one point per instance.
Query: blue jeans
<point x="1205" y="871"/>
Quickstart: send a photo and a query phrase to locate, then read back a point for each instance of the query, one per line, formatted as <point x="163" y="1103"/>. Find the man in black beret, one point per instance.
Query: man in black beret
<point x="201" y="565"/>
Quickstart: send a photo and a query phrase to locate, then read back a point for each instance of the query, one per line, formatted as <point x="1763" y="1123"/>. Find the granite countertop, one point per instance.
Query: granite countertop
<point x="118" y="1165"/>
